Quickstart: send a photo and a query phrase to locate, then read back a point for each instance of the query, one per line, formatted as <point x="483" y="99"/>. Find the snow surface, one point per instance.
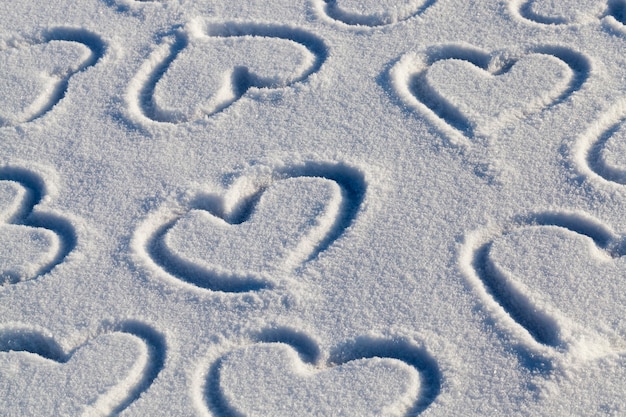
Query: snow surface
<point x="313" y="207"/>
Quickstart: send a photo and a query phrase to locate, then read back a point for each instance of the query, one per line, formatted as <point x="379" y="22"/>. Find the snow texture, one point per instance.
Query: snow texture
<point x="313" y="207"/>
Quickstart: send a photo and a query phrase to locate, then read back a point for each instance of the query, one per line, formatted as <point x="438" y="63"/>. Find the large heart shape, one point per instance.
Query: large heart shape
<point x="599" y="152"/>
<point x="290" y="219"/>
<point x="178" y="86"/>
<point x="561" y="283"/>
<point x="27" y="250"/>
<point x="271" y="379"/>
<point x="94" y="380"/>
<point x="468" y="93"/>
<point x="561" y="11"/>
<point x="479" y="98"/>
<point x="34" y="78"/>
<point x="373" y="12"/>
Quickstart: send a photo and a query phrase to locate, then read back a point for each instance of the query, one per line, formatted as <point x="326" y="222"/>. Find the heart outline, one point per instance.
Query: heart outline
<point x="407" y="73"/>
<point x="537" y="333"/>
<point x="140" y="93"/>
<point x="246" y="191"/>
<point x="404" y="348"/>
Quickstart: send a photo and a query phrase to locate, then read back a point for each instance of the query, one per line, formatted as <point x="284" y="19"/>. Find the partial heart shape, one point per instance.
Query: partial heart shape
<point x="371" y="12"/>
<point x="290" y="219"/>
<point x="560" y="11"/>
<point x="34" y="78"/>
<point x="256" y="234"/>
<point x="28" y="250"/>
<point x="469" y="93"/>
<point x="560" y="281"/>
<point x="480" y="97"/>
<point x="271" y="379"/>
<point x="96" y="379"/>
<point x="123" y="4"/>
<point x="176" y="85"/>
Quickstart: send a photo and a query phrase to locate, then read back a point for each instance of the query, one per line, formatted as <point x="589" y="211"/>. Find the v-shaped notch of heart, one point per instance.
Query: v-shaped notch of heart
<point x="176" y="86"/>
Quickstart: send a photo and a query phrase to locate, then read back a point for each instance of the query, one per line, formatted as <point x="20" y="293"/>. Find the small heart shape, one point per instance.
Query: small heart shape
<point x="559" y="285"/>
<point x="271" y="379"/>
<point x="94" y="380"/>
<point x="245" y="58"/>
<point x="468" y="94"/>
<point x="290" y="219"/>
<point x="34" y="78"/>
<point x="478" y="98"/>
<point x="372" y="12"/>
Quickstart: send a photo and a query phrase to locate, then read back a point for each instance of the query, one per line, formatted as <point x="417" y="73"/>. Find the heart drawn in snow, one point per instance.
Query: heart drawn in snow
<point x="34" y="78"/>
<point x="271" y="379"/>
<point x="176" y="84"/>
<point x="256" y="234"/>
<point x="472" y="92"/>
<point x="290" y="218"/>
<point x="560" y="280"/>
<point x="99" y="378"/>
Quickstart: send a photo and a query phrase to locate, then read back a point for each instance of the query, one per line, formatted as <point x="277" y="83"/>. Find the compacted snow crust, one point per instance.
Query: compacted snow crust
<point x="313" y="208"/>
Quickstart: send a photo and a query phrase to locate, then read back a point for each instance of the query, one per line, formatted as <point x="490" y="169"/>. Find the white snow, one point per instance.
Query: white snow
<point x="315" y="207"/>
